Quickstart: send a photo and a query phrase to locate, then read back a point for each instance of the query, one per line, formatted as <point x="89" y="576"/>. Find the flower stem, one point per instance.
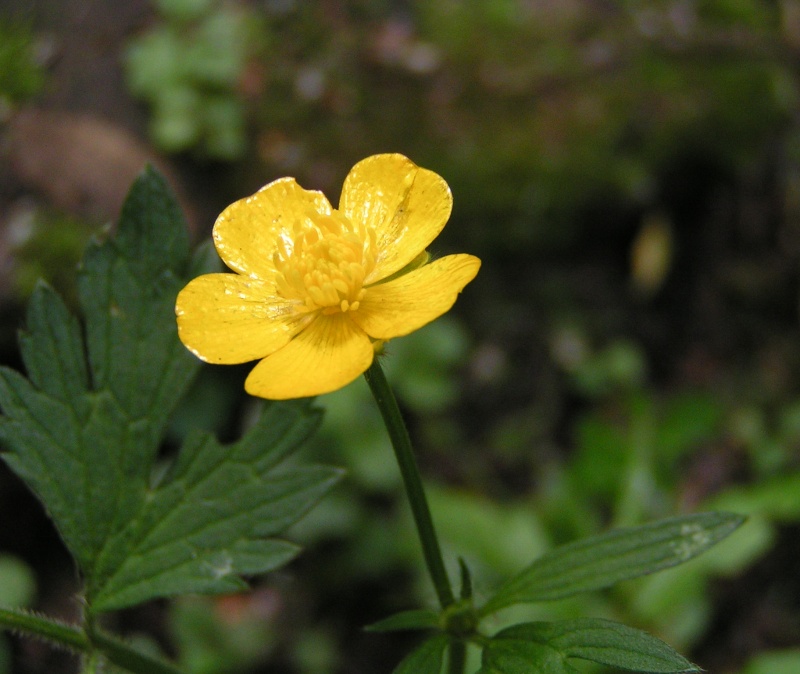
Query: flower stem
<point x="401" y="442"/>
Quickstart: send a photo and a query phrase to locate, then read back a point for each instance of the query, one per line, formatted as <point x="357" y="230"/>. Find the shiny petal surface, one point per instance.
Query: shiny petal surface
<point x="228" y="319"/>
<point x="410" y="301"/>
<point x="324" y="357"/>
<point x="406" y="205"/>
<point x="246" y="233"/>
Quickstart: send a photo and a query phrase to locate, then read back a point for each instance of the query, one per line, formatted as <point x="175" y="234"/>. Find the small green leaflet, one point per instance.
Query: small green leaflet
<point x="546" y="646"/>
<point x="84" y="428"/>
<point x="601" y="561"/>
<point x="417" y="619"/>
<point x="426" y="658"/>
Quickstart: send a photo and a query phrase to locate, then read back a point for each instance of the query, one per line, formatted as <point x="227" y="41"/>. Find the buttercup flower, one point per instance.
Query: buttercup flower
<point x="315" y="287"/>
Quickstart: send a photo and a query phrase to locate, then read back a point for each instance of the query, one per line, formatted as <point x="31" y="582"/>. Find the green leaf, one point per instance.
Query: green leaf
<point x="602" y="641"/>
<point x="127" y="289"/>
<point x="466" y="579"/>
<point x="601" y="561"/>
<point x="208" y="522"/>
<point x="425" y="659"/>
<point x="84" y="428"/>
<point x="522" y="656"/>
<point x="420" y="619"/>
<point x="83" y="435"/>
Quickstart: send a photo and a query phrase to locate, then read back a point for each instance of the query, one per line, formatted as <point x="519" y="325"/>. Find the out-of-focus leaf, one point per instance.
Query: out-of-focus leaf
<point x="406" y="620"/>
<point x="426" y="659"/>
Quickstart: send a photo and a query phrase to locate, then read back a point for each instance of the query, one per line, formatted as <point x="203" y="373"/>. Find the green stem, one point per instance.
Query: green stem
<point x="401" y="442"/>
<point x="112" y="648"/>
<point x="458" y="657"/>
<point x="44" y="628"/>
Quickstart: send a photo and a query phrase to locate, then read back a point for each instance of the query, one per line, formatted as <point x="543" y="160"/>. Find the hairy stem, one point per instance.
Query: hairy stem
<point x="90" y="644"/>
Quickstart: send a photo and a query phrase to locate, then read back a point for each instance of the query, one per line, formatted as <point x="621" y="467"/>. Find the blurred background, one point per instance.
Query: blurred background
<point x="628" y="171"/>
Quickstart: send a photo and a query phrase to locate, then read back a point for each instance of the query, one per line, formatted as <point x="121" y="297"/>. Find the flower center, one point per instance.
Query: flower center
<point x="323" y="262"/>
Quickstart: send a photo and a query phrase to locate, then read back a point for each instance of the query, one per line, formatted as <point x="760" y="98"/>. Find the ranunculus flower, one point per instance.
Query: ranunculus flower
<point x="315" y="287"/>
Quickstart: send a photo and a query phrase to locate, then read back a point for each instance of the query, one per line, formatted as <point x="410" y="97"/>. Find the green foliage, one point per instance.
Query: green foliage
<point x="48" y="247"/>
<point x="84" y="429"/>
<point x="184" y="10"/>
<point x="17" y="589"/>
<point x="17" y="582"/>
<point x="426" y="658"/>
<point x="79" y="432"/>
<point x="576" y="568"/>
<point x="636" y="437"/>
<point x="601" y="561"/>
<point x="222" y="635"/>
<point x="776" y="662"/>
<point x="547" y="646"/>
<point x="406" y="620"/>
<point x="21" y="77"/>
<point x="209" y="521"/>
<point x="188" y="68"/>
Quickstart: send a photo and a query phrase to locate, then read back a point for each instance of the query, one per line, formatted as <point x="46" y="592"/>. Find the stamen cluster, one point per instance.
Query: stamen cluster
<point x="324" y="261"/>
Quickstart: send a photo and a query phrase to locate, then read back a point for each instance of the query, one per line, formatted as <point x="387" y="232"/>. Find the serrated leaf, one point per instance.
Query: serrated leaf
<point x="426" y="658"/>
<point x="601" y="561"/>
<point x="79" y="452"/>
<point x="83" y="434"/>
<point x="127" y="287"/>
<point x="207" y="523"/>
<point x="52" y="348"/>
<point x="421" y="619"/>
<point x="83" y="429"/>
<point x="602" y="641"/>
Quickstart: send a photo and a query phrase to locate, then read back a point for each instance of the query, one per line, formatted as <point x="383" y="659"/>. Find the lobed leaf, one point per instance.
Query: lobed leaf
<point x="601" y="561"/>
<point x="207" y="523"/>
<point x="84" y="428"/>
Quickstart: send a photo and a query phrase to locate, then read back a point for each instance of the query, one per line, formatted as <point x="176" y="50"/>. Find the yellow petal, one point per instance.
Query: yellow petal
<point x="227" y="318"/>
<point x="330" y="353"/>
<point x="247" y="231"/>
<point x="410" y="301"/>
<point x="406" y="205"/>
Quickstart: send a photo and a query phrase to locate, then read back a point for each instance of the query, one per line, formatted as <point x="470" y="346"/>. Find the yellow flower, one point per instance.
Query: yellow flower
<point x="316" y="287"/>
